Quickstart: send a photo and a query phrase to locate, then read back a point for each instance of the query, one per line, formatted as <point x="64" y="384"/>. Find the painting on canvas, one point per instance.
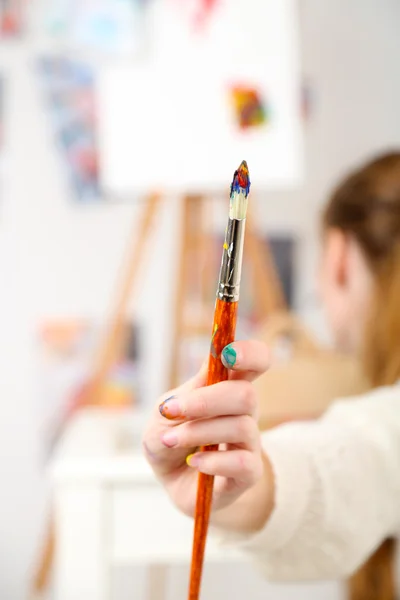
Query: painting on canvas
<point x="67" y="349"/>
<point x="97" y="27"/>
<point x="226" y="95"/>
<point x="2" y="89"/>
<point x="70" y="100"/>
<point x="12" y="13"/>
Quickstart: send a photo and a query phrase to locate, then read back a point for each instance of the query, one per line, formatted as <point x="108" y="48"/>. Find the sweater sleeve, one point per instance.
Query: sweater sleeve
<point x="337" y="490"/>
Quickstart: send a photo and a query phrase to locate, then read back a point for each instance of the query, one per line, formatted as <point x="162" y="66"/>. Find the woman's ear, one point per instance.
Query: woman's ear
<point x="337" y="256"/>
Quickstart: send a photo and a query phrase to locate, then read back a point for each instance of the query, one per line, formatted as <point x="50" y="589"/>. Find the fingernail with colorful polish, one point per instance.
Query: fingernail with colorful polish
<point x="228" y="356"/>
<point x="192" y="460"/>
<point x="170" y="408"/>
<point x="169" y="439"/>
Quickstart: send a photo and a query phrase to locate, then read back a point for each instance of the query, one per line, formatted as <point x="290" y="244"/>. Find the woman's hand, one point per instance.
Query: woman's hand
<point x="225" y="413"/>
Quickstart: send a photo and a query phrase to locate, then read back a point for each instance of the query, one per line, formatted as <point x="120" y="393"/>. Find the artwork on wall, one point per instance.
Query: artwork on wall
<point x="282" y="248"/>
<point x="70" y="99"/>
<point x="1" y="111"/>
<point x="11" y="18"/>
<point x="199" y="12"/>
<point x="112" y="27"/>
<point x="66" y="360"/>
<point x="2" y="87"/>
<point x="249" y="106"/>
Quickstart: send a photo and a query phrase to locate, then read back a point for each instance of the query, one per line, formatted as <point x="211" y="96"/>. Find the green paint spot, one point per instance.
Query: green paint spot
<point x="229" y="356"/>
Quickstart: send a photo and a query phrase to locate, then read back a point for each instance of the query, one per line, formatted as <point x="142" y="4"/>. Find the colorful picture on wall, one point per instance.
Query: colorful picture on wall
<point x="67" y="349"/>
<point x="1" y="110"/>
<point x="69" y="90"/>
<point x="11" y="18"/>
<point x="199" y="12"/>
<point x="1" y="131"/>
<point x="249" y="106"/>
<point x="113" y="27"/>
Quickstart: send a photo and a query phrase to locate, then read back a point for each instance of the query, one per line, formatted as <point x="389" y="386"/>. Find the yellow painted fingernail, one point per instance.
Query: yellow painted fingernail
<point x="191" y="460"/>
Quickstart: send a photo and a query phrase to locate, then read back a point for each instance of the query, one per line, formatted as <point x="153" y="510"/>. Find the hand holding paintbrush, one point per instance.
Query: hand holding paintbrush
<point x="218" y="406"/>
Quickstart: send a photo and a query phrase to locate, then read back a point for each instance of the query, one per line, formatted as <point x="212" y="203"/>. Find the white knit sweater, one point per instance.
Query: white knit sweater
<point x="337" y="490"/>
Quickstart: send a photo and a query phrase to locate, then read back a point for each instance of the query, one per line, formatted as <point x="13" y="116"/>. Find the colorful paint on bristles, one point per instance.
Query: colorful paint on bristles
<point x="241" y="180"/>
<point x="240" y="188"/>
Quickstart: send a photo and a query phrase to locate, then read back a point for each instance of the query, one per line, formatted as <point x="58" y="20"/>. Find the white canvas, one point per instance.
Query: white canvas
<point x="167" y="124"/>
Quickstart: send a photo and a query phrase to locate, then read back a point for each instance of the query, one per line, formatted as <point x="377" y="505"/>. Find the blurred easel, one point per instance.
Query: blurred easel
<point x="196" y="241"/>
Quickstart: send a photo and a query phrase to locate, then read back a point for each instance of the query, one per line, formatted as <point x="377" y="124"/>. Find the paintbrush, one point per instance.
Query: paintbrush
<point x="223" y="333"/>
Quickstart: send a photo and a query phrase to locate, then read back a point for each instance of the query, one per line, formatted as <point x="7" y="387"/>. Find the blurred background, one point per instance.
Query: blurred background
<point x="104" y="103"/>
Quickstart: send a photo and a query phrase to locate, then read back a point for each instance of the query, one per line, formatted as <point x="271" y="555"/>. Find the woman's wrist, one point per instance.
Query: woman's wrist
<point x="251" y="511"/>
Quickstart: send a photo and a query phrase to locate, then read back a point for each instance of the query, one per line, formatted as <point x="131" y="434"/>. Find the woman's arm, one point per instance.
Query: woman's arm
<point x="335" y="491"/>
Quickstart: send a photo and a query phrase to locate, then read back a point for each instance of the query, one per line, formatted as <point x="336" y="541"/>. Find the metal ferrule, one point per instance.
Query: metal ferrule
<point x="231" y="267"/>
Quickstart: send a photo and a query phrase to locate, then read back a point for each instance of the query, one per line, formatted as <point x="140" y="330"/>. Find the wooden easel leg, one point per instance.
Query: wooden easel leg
<point x="41" y="579"/>
<point x="207" y="275"/>
<point x="110" y="350"/>
<point x="185" y="256"/>
<point x="269" y="296"/>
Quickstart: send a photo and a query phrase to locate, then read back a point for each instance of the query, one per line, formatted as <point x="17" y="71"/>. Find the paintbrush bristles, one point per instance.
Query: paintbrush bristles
<point x="238" y="208"/>
<point x="240" y="189"/>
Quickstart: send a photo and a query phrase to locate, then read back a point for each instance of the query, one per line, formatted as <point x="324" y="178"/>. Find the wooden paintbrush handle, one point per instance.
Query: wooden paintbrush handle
<point x="223" y="334"/>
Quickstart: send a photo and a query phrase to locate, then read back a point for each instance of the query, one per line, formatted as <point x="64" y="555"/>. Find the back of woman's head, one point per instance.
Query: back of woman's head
<point x="367" y="207"/>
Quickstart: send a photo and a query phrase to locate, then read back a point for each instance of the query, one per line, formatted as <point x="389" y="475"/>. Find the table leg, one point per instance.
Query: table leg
<point x="81" y="568"/>
<point x="157" y="582"/>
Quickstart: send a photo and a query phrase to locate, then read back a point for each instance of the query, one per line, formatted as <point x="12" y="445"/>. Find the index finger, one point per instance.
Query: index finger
<point x="246" y="359"/>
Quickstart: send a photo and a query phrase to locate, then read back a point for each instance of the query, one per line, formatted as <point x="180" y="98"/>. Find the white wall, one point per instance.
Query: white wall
<point x="57" y="258"/>
<point x="349" y="52"/>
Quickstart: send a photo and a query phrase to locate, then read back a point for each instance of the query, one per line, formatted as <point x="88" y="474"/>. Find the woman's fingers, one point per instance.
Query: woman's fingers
<point x="195" y="401"/>
<point x="248" y="359"/>
<point x="240" y="431"/>
<point x="225" y="398"/>
<point x="241" y="465"/>
<point x="163" y="458"/>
